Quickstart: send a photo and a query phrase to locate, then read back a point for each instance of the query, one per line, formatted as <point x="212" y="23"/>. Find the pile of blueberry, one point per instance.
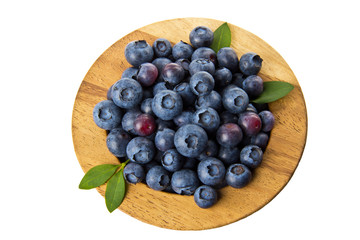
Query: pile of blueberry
<point x="183" y="116"/>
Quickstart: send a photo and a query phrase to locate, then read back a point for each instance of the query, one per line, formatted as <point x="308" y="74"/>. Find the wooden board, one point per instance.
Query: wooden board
<point x="174" y="211"/>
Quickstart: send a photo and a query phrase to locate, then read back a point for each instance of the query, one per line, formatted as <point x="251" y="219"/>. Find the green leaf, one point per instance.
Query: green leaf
<point x="273" y="91"/>
<point x="115" y="191"/>
<point x="97" y="176"/>
<point x="222" y="37"/>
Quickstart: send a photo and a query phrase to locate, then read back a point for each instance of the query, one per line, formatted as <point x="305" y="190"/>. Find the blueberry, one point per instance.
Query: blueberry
<point x="173" y="73"/>
<point x="202" y="83"/>
<point x="167" y="104"/>
<point x="127" y="122"/>
<point x="211" y="171"/>
<point x="160" y="64"/>
<point x="211" y="150"/>
<point x="207" y="118"/>
<point x="228" y="58"/>
<point x="253" y="86"/>
<point x="140" y="150"/>
<point x="222" y="77"/>
<point x="138" y="52"/>
<point x="149" y="165"/>
<point x="238" y="79"/>
<point x="158" y="178"/>
<point x="144" y="125"/>
<point x="185" y="63"/>
<point x="183" y="118"/>
<point x="267" y="120"/>
<point x="251" y="156"/>
<point x="147" y="74"/>
<point x="146" y="106"/>
<point x="201" y="64"/>
<point x="109" y="93"/>
<point x="182" y="50"/>
<point x="190" y="140"/>
<point x="130" y="73"/>
<point x="172" y="160"/>
<point x="162" y="124"/>
<point x="205" y="196"/>
<point x="250" y="63"/>
<point x="229" y="155"/>
<point x="261" y="139"/>
<point x="205" y="52"/>
<point x="190" y="163"/>
<point x="116" y="141"/>
<point x="251" y="108"/>
<point x="147" y="93"/>
<point x="160" y="86"/>
<point x="164" y="139"/>
<point x="107" y="115"/>
<point x="184" y="182"/>
<point x="238" y="175"/>
<point x="250" y="123"/>
<point x="201" y="36"/>
<point x="213" y="100"/>
<point x="235" y="100"/>
<point x="229" y="135"/>
<point x="228" y="117"/>
<point x="185" y="92"/>
<point x="134" y="173"/>
<point x="162" y="47"/>
<point x="127" y="93"/>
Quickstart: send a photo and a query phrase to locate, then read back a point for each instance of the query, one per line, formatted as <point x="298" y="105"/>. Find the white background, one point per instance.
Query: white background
<point x="46" y="48"/>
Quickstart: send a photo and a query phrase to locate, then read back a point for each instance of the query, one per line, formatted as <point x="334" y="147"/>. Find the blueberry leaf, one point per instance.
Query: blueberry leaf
<point x="97" y="176"/>
<point x="222" y="37"/>
<point x="115" y="191"/>
<point x="273" y="91"/>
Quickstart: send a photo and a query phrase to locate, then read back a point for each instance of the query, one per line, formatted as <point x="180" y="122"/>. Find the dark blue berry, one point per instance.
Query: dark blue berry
<point x="211" y="150"/>
<point x="229" y="155"/>
<point x="201" y="36"/>
<point x="205" y="52"/>
<point x="190" y="140"/>
<point x="172" y="160"/>
<point x="250" y="63"/>
<point x="107" y="115"/>
<point x="213" y="100"/>
<point x="127" y="122"/>
<point x="185" y="63"/>
<point x="182" y="50"/>
<point x="251" y="156"/>
<point x="160" y="64"/>
<point x="184" y="182"/>
<point x="162" y="124"/>
<point x="183" y="118"/>
<point x="222" y="77"/>
<point x="228" y="58"/>
<point x="202" y="83"/>
<point x="185" y="92"/>
<point x="253" y="86"/>
<point x="134" y="173"/>
<point x="167" y="104"/>
<point x="205" y="196"/>
<point x="130" y="73"/>
<point x="164" y="139"/>
<point x="238" y="79"/>
<point x="267" y="120"/>
<point x="138" y="52"/>
<point x="211" y="171"/>
<point x="228" y="117"/>
<point x="140" y="150"/>
<point x="158" y="178"/>
<point x="261" y="139"/>
<point x="235" y="100"/>
<point x="116" y="142"/>
<point x="238" y="175"/>
<point x="127" y="93"/>
<point x="162" y="47"/>
<point x="160" y="86"/>
<point x="207" y="118"/>
<point x="201" y="64"/>
<point x="109" y="93"/>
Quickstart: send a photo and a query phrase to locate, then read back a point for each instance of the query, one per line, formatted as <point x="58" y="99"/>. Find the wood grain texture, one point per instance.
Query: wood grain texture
<point x="174" y="211"/>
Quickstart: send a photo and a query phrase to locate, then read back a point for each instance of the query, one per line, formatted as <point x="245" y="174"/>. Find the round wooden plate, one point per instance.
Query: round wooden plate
<point x="175" y="211"/>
